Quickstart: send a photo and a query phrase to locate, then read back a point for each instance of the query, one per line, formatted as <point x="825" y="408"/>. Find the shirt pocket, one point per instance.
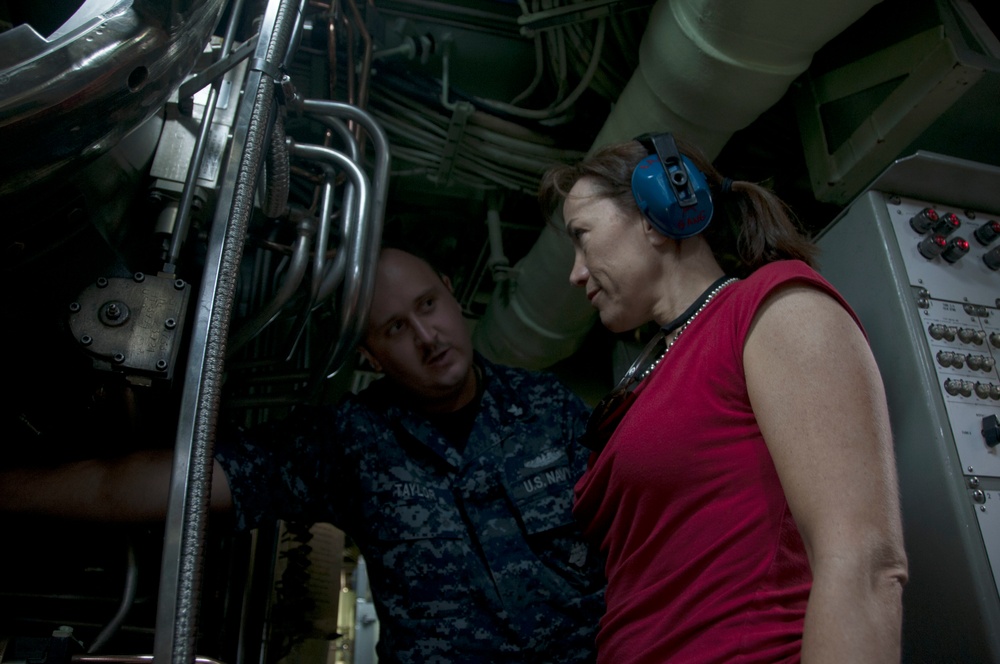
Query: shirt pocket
<point x="542" y="491"/>
<point x="541" y="488"/>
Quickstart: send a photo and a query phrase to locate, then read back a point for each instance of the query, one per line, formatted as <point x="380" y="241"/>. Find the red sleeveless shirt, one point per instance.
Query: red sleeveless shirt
<point x="704" y="561"/>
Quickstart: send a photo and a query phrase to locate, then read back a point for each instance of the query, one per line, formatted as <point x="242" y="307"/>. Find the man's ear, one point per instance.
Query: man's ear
<point x="447" y="282"/>
<point x="366" y="354"/>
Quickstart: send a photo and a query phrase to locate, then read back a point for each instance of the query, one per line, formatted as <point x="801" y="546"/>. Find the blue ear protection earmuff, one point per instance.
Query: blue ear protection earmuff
<point x="670" y="190"/>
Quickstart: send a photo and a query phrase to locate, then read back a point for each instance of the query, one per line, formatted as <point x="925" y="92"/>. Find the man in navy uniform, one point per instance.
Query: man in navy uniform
<point x="452" y="474"/>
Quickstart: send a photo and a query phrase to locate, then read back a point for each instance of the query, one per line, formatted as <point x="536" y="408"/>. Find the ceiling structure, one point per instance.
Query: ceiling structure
<point x="811" y="99"/>
<point x="478" y="97"/>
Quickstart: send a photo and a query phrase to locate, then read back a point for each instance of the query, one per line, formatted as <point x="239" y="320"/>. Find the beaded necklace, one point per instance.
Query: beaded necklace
<point x="610" y="410"/>
<point x="679" y="324"/>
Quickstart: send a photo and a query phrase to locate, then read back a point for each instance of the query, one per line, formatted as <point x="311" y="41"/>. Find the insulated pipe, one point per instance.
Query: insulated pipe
<point x="277" y="172"/>
<point x="706" y="69"/>
<point x="534" y="319"/>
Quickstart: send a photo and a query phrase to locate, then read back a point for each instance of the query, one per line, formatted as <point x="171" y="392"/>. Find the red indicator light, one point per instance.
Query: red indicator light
<point x="947" y="224"/>
<point x="923" y="220"/>
<point x="956" y="248"/>
<point x="931" y="247"/>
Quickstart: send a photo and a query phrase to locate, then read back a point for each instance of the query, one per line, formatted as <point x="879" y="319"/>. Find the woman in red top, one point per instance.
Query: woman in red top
<point x="742" y="483"/>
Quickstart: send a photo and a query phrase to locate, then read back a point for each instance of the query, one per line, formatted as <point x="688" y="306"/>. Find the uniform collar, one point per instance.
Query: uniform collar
<point x="500" y="407"/>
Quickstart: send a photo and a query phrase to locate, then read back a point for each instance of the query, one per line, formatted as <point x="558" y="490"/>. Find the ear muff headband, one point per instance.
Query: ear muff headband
<point x="670" y="190"/>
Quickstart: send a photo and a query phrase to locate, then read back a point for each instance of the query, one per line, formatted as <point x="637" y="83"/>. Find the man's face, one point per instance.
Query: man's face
<point x="416" y="333"/>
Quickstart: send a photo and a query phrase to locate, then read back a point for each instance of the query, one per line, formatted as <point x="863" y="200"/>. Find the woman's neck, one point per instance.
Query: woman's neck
<point x="686" y="275"/>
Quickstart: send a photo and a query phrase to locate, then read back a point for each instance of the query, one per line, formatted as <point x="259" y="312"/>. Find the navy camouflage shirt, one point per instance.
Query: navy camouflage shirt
<point x="473" y="554"/>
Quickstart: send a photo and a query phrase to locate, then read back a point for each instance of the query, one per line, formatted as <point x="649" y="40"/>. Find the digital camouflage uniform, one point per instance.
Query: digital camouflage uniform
<point x="472" y="557"/>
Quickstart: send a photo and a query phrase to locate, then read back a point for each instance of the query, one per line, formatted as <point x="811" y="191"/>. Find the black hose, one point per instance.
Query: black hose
<point x="277" y="173"/>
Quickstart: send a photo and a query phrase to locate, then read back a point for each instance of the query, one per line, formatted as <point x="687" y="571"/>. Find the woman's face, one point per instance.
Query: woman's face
<point x="613" y="257"/>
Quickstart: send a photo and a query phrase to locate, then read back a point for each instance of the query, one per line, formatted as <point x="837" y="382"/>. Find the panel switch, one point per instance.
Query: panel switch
<point x="932" y="246"/>
<point x="991" y="258"/>
<point x="923" y="220"/>
<point x="957" y="247"/>
<point x="987" y="232"/>
<point x="991" y="430"/>
<point x="947" y="224"/>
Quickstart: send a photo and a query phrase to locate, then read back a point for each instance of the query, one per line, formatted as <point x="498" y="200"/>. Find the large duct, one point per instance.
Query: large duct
<point x="536" y="317"/>
<point x="707" y="68"/>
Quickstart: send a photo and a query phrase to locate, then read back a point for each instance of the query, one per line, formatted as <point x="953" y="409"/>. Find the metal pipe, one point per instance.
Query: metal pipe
<point x="366" y="60"/>
<point x="323" y="233"/>
<point x="328" y="275"/>
<point x="295" y="39"/>
<point x="331" y="47"/>
<point x="183" y="220"/>
<point x="128" y="598"/>
<point x="334" y="273"/>
<point x="353" y="305"/>
<point x="368" y="248"/>
<point x="190" y="483"/>
<point x="297" y="267"/>
<point x="350" y="69"/>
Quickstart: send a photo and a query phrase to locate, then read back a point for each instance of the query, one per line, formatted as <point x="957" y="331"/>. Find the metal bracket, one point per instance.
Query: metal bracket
<point x="205" y="77"/>
<point x="456" y="131"/>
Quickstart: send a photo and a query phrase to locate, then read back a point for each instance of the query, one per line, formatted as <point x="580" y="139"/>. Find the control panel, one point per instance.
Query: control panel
<point x="956" y="251"/>
<point x="952" y="260"/>
<point x="917" y="256"/>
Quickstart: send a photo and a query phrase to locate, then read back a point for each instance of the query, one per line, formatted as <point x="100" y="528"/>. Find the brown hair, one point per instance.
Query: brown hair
<point x="751" y="225"/>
